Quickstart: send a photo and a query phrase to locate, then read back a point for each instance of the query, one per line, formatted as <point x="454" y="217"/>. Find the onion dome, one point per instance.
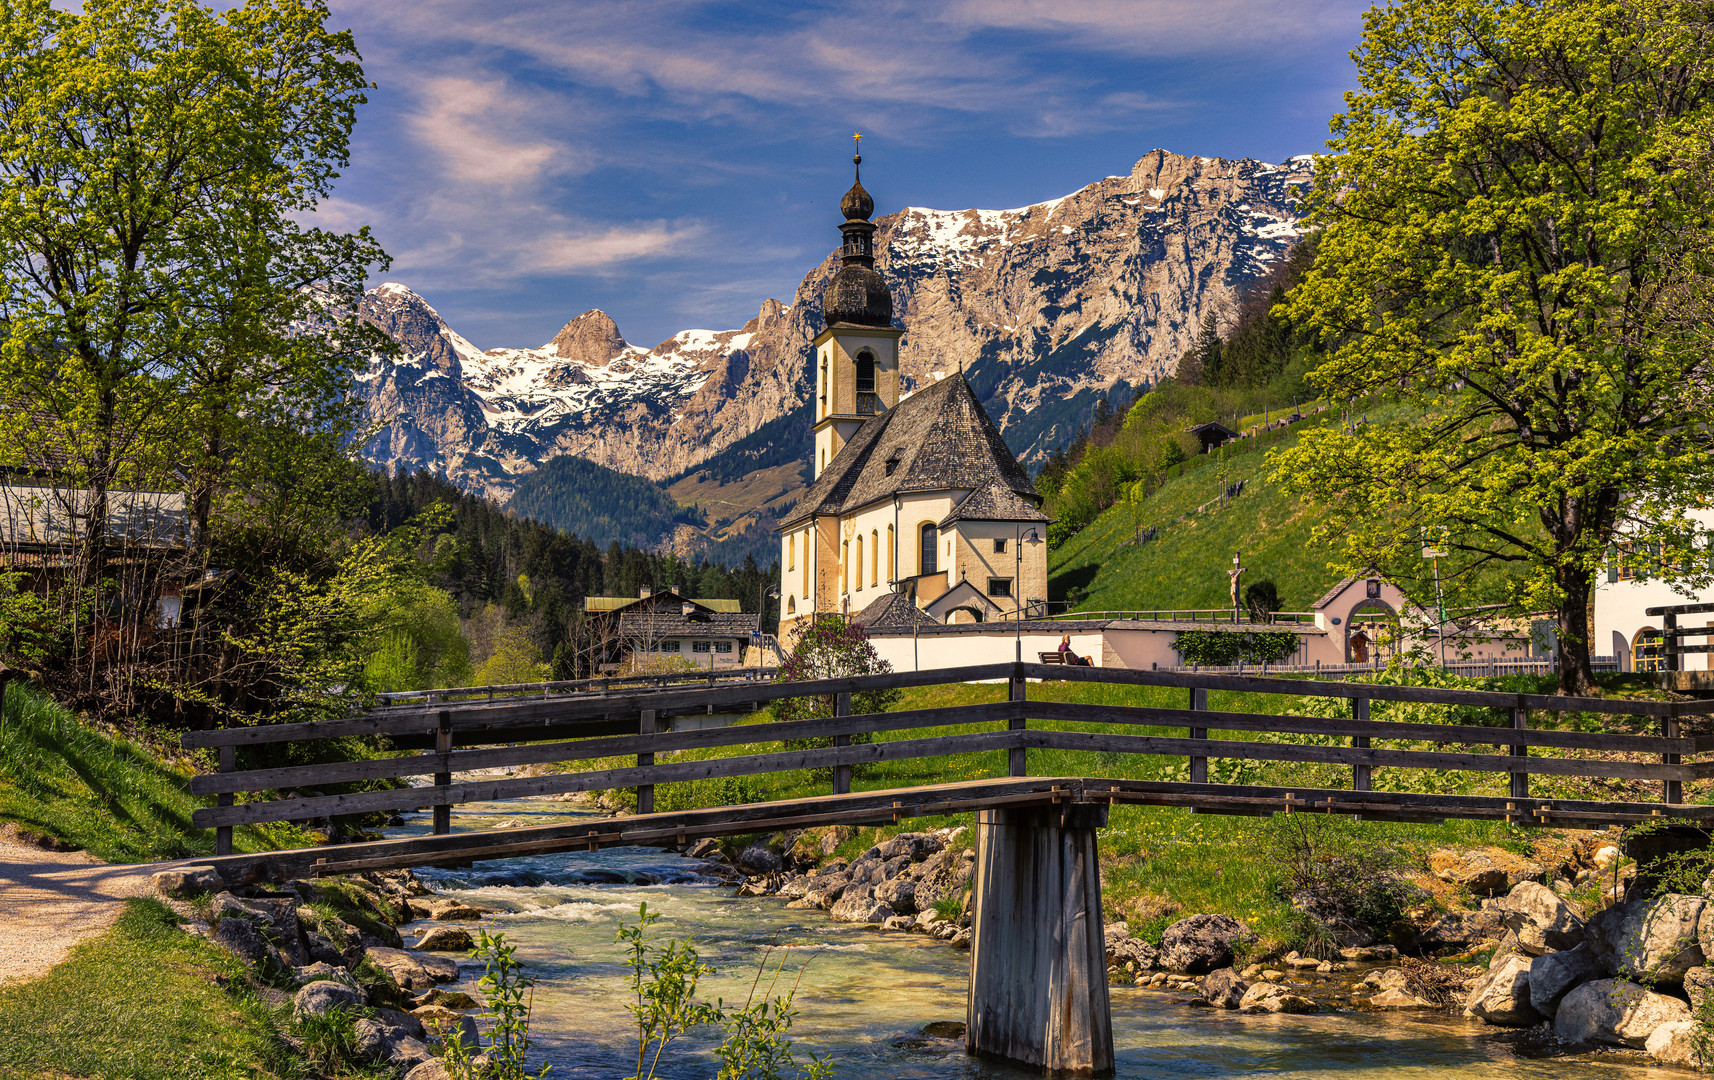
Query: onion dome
<point x="857" y="294"/>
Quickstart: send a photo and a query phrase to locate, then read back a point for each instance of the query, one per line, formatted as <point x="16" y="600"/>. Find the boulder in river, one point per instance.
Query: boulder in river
<point x="1397" y="998"/>
<point x="1201" y="943"/>
<point x="757" y="859"/>
<point x="385" y="1044"/>
<point x="1541" y="919"/>
<point x="446" y="939"/>
<point x="1615" y="1012"/>
<point x="900" y="894"/>
<point x="1558" y="973"/>
<point x="1697" y="982"/>
<point x="1461" y="929"/>
<point x="413" y="970"/>
<point x="1223" y="988"/>
<point x="1652" y="938"/>
<point x="1675" y="1043"/>
<point x="1502" y="997"/>
<point x="429" y="1070"/>
<point x="1273" y="998"/>
<point x="859" y="905"/>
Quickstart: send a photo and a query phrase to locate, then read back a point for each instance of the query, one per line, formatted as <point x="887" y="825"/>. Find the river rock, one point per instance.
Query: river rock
<point x="941" y="876"/>
<point x="1675" y="1043"/>
<point x="1201" y="943"/>
<point x="446" y="939"/>
<point x="187" y="881"/>
<point x="915" y="846"/>
<point x="429" y="1070"/>
<point x="757" y="859"/>
<point x="703" y="848"/>
<point x="449" y="910"/>
<point x="1272" y="998"/>
<point x="1649" y="938"/>
<point x="318" y="998"/>
<point x="1223" y="988"/>
<point x="1397" y="998"/>
<point x="904" y="923"/>
<point x="1502" y="997"/>
<point x="1387" y="979"/>
<point x="825" y="892"/>
<point x="323" y="950"/>
<point x="1461" y="929"/>
<point x="438" y="1017"/>
<point x="1557" y="974"/>
<point x="1541" y="919"/>
<point x="1474" y="870"/>
<point x="960" y="940"/>
<point x="859" y="905"/>
<point x="452" y="999"/>
<point x="1134" y="951"/>
<point x="384" y="1044"/>
<point x="413" y="970"/>
<point x="1615" y="1012"/>
<point x="796" y="887"/>
<point x="900" y="894"/>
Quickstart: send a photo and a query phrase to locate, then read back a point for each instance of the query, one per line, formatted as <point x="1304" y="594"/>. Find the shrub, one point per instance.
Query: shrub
<point x="1336" y="875"/>
<point x="831" y="648"/>
<point x="1221" y="648"/>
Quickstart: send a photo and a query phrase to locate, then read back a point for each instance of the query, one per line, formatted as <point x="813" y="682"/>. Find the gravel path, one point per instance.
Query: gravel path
<point x="50" y="901"/>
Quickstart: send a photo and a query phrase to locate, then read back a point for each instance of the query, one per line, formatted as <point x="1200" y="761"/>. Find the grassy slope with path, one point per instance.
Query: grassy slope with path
<point x="143" y="1001"/>
<point x="63" y="778"/>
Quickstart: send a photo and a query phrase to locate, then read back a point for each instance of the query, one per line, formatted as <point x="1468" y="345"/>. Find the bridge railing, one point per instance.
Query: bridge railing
<point x="478" y="735"/>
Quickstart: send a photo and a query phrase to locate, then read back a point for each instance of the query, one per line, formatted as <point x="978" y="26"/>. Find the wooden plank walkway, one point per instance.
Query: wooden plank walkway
<point x="637" y="726"/>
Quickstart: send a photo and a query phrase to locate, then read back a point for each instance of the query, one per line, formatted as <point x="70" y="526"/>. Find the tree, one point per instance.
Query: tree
<point x="1508" y="221"/>
<point x="155" y="306"/>
<point x="832" y="647"/>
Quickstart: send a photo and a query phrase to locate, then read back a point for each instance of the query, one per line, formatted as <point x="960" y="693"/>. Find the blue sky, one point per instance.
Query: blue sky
<point x="676" y="162"/>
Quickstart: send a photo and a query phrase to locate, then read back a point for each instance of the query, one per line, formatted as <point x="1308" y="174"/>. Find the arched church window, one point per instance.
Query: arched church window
<point x="865" y="372"/>
<point x="859" y="562"/>
<point x="874" y="557"/>
<point x="930" y="549"/>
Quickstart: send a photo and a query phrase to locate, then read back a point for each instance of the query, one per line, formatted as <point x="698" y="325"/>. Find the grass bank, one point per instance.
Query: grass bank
<point x="144" y="1001"/>
<point x="63" y="778"/>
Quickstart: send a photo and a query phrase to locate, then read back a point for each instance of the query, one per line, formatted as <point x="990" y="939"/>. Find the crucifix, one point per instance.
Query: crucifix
<point x="1236" y="573"/>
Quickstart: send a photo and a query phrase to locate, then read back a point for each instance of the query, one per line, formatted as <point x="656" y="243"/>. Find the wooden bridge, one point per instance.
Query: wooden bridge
<point x="1038" y="984"/>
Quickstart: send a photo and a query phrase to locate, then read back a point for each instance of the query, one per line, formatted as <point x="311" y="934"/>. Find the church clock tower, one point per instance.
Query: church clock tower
<point x="857" y="356"/>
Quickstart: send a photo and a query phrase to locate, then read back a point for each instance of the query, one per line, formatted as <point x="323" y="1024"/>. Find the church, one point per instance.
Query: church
<point x="918" y="514"/>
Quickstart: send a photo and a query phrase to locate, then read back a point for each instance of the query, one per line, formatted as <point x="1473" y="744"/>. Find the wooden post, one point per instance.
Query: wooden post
<point x="842" y="773"/>
<point x="1674" y="788"/>
<point x="1038" y="964"/>
<point x="1017" y="763"/>
<point x="646" y="792"/>
<point x="443" y="780"/>
<point x="1520" y="780"/>
<point x="1360" y="779"/>
<point x="223" y="833"/>
<point x="1198" y="765"/>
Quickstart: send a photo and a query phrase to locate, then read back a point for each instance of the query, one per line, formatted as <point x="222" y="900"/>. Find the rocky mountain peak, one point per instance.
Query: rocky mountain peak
<point x="591" y="338"/>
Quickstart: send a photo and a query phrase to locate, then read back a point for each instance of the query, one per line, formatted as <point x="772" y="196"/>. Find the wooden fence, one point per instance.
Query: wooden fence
<point x="472" y="735"/>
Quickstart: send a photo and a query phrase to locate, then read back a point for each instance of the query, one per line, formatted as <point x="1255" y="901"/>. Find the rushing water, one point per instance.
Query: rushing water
<point x="866" y="998"/>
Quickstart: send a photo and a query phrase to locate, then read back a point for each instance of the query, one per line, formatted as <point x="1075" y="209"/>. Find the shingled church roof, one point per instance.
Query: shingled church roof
<point x="939" y="438"/>
<point x="994" y="501"/>
<point x="893" y="611"/>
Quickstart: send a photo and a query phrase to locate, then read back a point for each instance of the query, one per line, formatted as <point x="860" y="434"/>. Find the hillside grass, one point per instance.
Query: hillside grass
<point x="63" y="778"/>
<point x="143" y="1001"/>
<point x="1185" y="566"/>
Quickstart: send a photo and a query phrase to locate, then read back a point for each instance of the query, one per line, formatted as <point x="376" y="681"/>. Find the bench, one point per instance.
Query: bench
<point x="1052" y="657"/>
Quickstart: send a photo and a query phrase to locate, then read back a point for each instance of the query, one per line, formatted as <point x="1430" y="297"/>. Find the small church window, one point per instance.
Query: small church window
<point x="999" y="586"/>
<point x="999" y="545"/>
<point x="865" y="372"/>
<point x="859" y="563"/>
<point x="874" y="557"/>
<point x="929" y="549"/>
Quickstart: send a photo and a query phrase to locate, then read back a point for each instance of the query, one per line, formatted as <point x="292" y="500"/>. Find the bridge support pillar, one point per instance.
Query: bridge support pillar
<point x="1038" y="964"/>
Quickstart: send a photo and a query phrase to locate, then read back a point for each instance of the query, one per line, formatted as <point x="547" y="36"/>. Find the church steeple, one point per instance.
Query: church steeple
<point x="857" y="295"/>
<point x="857" y="356"/>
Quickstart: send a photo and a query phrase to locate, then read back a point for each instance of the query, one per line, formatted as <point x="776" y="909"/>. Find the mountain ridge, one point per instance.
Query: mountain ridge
<point x="1045" y="307"/>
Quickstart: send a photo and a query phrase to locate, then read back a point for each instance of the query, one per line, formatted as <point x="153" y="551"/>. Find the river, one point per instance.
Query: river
<point x="866" y="998"/>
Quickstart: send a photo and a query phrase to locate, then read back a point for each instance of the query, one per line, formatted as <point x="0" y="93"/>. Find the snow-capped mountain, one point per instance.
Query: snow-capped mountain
<point x="1043" y="306"/>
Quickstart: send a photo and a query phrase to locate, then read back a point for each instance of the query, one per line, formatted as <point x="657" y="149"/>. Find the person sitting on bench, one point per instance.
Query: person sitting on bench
<point x="1071" y="657"/>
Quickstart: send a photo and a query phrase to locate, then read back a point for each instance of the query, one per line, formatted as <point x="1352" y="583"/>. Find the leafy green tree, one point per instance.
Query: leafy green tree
<point x="156" y="157"/>
<point x="1509" y="222"/>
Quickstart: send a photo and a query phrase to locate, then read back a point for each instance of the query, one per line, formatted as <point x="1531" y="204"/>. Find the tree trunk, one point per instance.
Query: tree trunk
<point x="1576" y="585"/>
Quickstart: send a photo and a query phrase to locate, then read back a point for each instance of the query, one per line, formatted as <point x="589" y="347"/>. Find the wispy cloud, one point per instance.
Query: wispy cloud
<point x="471" y="127"/>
